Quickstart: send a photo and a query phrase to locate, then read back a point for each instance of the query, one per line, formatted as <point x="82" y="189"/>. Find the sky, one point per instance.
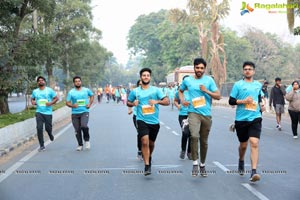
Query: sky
<point x="115" y="17"/>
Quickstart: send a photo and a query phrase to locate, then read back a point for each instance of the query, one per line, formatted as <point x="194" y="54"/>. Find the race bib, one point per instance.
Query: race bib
<point x="42" y="102"/>
<point x="251" y="106"/>
<point x="148" y="110"/>
<point x="199" y="102"/>
<point x="81" y="102"/>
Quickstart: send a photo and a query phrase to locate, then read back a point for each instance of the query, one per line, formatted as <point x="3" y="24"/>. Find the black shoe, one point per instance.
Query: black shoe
<point x="147" y="170"/>
<point x="241" y="168"/>
<point x="51" y="137"/>
<point x="42" y="148"/>
<point x="203" y="171"/>
<point x="195" y="170"/>
<point x="139" y="155"/>
<point x="182" y="154"/>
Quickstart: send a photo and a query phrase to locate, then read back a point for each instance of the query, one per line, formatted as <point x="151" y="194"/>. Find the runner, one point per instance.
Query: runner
<point x="202" y="89"/>
<point x="80" y="100"/>
<point x="183" y="115"/>
<point x="146" y="99"/>
<point x="246" y="94"/>
<point x="43" y="97"/>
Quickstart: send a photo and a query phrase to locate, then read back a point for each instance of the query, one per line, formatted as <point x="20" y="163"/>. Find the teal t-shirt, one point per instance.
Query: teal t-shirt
<point x="241" y="90"/>
<point x="183" y="109"/>
<point x="80" y="97"/>
<point x="200" y="102"/>
<point x="145" y="112"/>
<point x="41" y="98"/>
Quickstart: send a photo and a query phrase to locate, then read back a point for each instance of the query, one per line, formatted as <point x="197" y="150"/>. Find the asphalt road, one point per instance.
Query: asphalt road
<point x="110" y="169"/>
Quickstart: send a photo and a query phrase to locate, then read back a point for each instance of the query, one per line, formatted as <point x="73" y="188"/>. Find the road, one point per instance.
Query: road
<point x="110" y="169"/>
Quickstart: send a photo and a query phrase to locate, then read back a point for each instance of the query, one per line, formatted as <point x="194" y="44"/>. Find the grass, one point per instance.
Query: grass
<point x="8" y="119"/>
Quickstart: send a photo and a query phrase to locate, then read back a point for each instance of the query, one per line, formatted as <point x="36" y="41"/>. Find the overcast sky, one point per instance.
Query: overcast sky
<point x="115" y="17"/>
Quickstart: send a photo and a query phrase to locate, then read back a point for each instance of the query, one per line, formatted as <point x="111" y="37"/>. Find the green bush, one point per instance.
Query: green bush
<point x="8" y="119"/>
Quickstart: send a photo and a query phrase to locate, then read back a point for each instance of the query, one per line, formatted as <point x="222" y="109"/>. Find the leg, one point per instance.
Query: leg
<point x="84" y="119"/>
<point x="39" y="127"/>
<point x="204" y="132"/>
<point x="294" y="121"/>
<point x="48" y="126"/>
<point x="76" y="125"/>
<point x="194" y="126"/>
<point x="254" y="151"/>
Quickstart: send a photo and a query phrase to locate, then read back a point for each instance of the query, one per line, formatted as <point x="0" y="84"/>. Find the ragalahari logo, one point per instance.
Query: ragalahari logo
<point x="246" y="8"/>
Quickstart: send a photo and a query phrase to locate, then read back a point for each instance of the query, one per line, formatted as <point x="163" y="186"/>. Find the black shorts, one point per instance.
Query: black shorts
<point x="245" y="129"/>
<point x="147" y="129"/>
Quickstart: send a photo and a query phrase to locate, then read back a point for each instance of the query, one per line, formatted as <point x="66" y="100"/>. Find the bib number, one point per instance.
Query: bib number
<point x="148" y="110"/>
<point x="199" y="102"/>
<point x="251" y="106"/>
<point x="42" y="102"/>
<point x="81" y="102"/>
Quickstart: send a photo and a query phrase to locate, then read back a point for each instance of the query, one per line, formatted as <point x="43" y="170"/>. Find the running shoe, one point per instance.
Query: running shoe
<point x="139" y="155"/>
<point x="241" y="168"/>
<point x="195" y="170"/>
<point x="87" y="145"/>
<point x="147" y="170"/>
<point x="254" y="177"/>
<point x="203" y="171"/>
<point x="182" y="154"/>
<point x="79" y="148"/>
<point x="279" y="128"/>
<point x="295" y="136"/>
<point x="42" y="148"/>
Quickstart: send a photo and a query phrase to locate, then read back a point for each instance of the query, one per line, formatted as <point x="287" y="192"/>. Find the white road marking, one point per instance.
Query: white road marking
<point x="222" y="167"/>
<point x="162" y="123"/>
<point x="255" y="192"/>
<point x="175" y="133"/>
<point x="18" y="164"/>
<point x="167" y="127"/>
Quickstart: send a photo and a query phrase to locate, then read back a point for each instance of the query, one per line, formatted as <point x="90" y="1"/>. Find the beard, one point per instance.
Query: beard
<point x="78" y="86"/>
<point x="145" y="83"/>
<point x="41" y="84"/>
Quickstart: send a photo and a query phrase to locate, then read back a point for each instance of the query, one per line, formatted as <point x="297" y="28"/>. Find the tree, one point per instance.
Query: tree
<point x="206" y="15"/>
<point x="12" y="38"/>
<point x="292" y="13"/>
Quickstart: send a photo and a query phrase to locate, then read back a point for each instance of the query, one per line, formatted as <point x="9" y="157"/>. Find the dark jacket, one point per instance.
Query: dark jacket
<point x="277" y="96"/>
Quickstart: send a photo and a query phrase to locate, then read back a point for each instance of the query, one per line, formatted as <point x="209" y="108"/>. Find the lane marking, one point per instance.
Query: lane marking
<point x="175" y="133"/>
<point x="254" y="191"/>
<point x="222" y="167"/>
<point x="167" y="127"/>
<point x="162" y="123"/>
<point x="18" y="164"/>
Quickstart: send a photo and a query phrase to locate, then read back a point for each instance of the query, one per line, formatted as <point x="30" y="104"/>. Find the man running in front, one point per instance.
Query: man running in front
<point x="146" y="98"/>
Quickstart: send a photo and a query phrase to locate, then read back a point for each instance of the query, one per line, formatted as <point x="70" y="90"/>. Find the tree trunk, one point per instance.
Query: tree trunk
<point x="49" y="68"/>
<point x="4" y="109"/>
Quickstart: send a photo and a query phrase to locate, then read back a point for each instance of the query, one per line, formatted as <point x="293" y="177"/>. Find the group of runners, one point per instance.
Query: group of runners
<point x="193" y="99"/>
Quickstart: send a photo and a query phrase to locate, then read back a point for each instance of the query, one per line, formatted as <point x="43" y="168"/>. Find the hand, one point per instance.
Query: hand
<point x="88" y="106"/>
<point x="48" y="104"/>
<point x="75" y="105"/>
<point x="262" y="107"/>
<point x="185" y="103"/>
<point x="136" y="102"/>
<point x="152" y="102"/>
<point x="203" y="88"/>
<point x="248" y="100"/>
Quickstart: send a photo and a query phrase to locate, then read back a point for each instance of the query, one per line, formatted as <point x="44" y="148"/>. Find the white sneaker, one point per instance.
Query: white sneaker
<point x="88" y="145"/>
<point x="295" y="137"/>
<point x="79" y="148"/>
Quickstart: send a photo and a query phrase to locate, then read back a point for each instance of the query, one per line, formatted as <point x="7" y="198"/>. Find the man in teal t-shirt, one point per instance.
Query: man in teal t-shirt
<point x="202" y="89"/>
<point x="43" y="97"/>
<point x="146" y="98"/>
<point x="247" y="95"/>
<point x="80" y="100"/>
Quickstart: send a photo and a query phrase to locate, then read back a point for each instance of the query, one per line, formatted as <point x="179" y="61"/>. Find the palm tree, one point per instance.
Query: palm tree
<point x="205" y="15"/>
<point x="291" y="14"/>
